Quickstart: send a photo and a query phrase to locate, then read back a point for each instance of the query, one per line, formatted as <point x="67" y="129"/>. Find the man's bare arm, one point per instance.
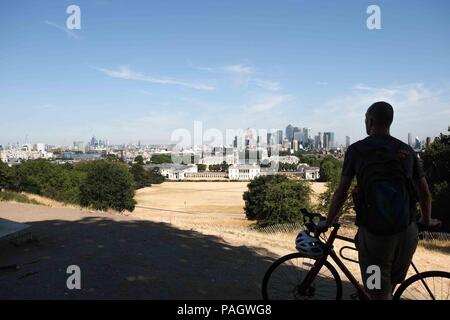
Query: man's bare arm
<point x="424" y="195"/>
<point x="339" y="197"/>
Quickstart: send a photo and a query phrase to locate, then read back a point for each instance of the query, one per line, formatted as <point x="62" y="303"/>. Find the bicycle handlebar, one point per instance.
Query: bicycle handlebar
<point x="423" y="227"/>
<point x="310" y="225"/>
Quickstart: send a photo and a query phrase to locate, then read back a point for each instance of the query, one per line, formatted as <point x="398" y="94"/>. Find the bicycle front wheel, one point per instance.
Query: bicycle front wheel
<point x="429" y="285"/>
<point x="283" y="279"/>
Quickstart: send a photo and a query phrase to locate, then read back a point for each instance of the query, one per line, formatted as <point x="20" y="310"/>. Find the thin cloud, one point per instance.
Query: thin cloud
<point x="267" y="103"/>
<point x="267" y="84"/>
<point x="70" y="33"/>
<point x="321" y="83"/>
<point x="239" y="69"/>
<point x="246" y="75"/>
<point x="124" y="72"/>
<point x="201" y="68"/>
<point x="242" y="74"/>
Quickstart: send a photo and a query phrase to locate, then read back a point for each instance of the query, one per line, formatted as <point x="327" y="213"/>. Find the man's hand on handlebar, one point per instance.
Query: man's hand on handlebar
<point x="322" y="226"/>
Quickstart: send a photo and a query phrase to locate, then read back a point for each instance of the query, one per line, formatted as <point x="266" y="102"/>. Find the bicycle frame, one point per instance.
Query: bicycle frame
<point x="329" y="252"/>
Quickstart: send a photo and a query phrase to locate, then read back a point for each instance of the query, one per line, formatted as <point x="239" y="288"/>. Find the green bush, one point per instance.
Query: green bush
<point x="59" y="182"/>
<point x="139" y="160"/>
<point x="97" y="184"/>
<point x="107" y="186"/>
<point x="276" y="199"/>
<point x="330" y="172"/>
<point x="436" y="161"/>
<point x="161" y="158"/>
<point x="155" y="176"/>
<point x="4" y="175"/>
<point x="140" y="175"/>
<point x="330" y="169"/>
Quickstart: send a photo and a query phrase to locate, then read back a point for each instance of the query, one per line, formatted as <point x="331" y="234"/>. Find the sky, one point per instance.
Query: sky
<point x="139" y="70"/>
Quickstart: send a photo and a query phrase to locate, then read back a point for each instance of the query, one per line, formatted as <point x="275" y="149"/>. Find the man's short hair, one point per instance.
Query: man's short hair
<point x="382" y="114"/>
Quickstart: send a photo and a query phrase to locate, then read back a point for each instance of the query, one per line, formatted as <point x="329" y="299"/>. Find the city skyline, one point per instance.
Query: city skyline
<point x="140" y="72"/>
<point x="276" y="136"/>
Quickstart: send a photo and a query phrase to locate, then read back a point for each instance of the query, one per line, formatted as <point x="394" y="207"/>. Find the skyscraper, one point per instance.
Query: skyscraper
<point x="306" y="134"/>
<point x="347" y="141"/>
<point x="320" y="146"/>
<point x="269" y="138"/>
<point x="279" y="137"/>
<point x="289" y="132"/>
<point x="417" y="144"/>
<point x="294" y="131"/>
<point x="328" y="140"/>
<point x="410" y="139"/>
<point x="298" y="136"/>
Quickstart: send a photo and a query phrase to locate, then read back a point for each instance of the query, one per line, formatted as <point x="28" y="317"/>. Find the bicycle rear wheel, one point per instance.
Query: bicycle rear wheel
<point x="429" y="285"/>
<point x="282" y="280"/>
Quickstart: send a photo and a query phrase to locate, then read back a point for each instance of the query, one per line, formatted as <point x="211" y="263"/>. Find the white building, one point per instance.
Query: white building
<point x="173" y="171"/>
<point x="311" y="173"/>
<point x="243" y="172"/>
<point x="308" y="173"/>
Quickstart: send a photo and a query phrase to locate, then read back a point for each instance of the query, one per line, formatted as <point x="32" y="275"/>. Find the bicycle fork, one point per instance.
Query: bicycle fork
<point x="306" y="283"/>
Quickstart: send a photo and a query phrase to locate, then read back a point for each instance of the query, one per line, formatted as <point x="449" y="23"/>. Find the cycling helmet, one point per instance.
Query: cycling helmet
<point x="309" y="246"/>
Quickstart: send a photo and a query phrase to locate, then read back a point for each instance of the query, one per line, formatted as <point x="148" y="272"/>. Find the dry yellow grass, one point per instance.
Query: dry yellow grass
<point x="216" y="208"/>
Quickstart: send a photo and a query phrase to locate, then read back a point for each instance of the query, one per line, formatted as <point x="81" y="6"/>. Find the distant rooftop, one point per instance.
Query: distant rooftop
<point x="174" y="166"/>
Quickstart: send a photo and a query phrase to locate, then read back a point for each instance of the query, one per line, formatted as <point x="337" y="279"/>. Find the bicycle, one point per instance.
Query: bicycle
<point x="315" y="277"/>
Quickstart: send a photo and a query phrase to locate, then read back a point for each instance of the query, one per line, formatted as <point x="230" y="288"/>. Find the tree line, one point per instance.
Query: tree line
<point x="99" y="184"/>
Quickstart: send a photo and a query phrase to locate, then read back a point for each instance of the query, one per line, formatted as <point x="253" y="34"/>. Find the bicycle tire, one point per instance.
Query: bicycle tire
<point x="408" y="283"/>
<point x="295" y="255"/>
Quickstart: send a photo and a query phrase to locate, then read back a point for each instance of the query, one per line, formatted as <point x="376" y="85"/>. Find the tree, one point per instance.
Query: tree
<point x="201" y="167"/>
<point x="161" y="158"/>
<point x="224" y="167"/>
<point x="330" y="169"/>
<point x="4" y="177"/>
<point x="139" y="160"/>
<point x="59" y="182"/>
<point x="436" y="162"/>
<point x="107" y="185"/>
<point x="330" y="172"/>
<point x="155" y="176"/>
<point x="276" y="199"/>
<point x="140" y="175"/>
<point x="111" y="157"/>
<point x="256" y="193"/>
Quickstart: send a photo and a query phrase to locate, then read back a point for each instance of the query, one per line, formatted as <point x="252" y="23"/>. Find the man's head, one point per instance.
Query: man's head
<point x="379" y="118"/>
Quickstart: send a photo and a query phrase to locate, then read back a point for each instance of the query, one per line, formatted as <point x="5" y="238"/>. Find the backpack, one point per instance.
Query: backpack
<point x="387" y="194"/>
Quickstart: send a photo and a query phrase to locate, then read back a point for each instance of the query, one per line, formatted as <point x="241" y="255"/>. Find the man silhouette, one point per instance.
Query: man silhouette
<point x="392" y="252"/>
